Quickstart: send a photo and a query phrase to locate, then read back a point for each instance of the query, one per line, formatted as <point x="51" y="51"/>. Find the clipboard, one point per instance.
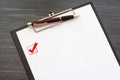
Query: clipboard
<point x="64" y="52"/>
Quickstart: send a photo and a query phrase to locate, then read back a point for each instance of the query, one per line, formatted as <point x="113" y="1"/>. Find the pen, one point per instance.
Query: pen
<point x="63" y="18"/>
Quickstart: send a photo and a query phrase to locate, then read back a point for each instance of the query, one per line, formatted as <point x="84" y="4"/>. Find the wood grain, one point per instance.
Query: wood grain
<point x="15" y="13"/>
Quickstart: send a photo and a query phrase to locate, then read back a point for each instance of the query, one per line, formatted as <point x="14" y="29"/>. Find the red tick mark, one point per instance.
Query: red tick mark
<point x="33" y="49"/>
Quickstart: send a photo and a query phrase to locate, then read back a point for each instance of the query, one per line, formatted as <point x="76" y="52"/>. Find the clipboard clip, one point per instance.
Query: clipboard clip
<point x="38" y="26"/>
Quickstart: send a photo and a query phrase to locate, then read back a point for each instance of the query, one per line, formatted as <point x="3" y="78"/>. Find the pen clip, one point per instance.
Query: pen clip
<point x="50" y="15"/>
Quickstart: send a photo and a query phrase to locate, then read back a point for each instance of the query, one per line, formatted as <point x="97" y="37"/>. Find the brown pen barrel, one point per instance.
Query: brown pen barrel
<point x="50" y="20"/>
<point x="46" y="21"/>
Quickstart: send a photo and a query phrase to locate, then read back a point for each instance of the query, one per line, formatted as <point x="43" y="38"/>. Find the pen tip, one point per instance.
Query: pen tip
<point x="76" y="16"/>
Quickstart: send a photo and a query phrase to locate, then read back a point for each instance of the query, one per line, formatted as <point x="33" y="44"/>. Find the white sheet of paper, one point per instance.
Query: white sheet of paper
<point x="74" y="50"/>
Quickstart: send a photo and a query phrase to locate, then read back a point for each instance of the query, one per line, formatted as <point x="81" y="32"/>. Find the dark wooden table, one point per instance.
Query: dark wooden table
<point x="16" y="13"/>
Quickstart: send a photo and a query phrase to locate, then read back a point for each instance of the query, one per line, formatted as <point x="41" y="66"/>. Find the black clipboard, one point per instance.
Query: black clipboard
<point x="21" y="53"/>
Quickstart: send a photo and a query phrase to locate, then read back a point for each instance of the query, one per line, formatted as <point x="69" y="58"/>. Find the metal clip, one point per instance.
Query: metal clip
<point x="51" y="15"/>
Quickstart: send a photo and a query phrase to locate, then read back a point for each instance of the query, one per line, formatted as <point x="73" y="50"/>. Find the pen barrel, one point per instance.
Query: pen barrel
<point x="53" y="20"/>
<point x="46" y="21"/>
<point x="65" y="18"/>
<point x="50" y="20"/>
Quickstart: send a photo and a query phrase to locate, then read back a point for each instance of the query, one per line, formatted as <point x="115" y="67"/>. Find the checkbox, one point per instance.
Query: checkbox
<point x="32" y="49"/>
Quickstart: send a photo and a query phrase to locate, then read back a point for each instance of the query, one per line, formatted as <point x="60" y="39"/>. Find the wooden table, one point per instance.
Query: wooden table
<point x="16" y="13"/>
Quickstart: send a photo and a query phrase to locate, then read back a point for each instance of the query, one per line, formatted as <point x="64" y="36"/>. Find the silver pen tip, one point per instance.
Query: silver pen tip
<point x="75" y="16"/>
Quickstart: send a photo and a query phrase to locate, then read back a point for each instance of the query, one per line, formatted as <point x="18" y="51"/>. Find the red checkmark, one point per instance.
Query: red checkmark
<point x="34" y="46"/>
